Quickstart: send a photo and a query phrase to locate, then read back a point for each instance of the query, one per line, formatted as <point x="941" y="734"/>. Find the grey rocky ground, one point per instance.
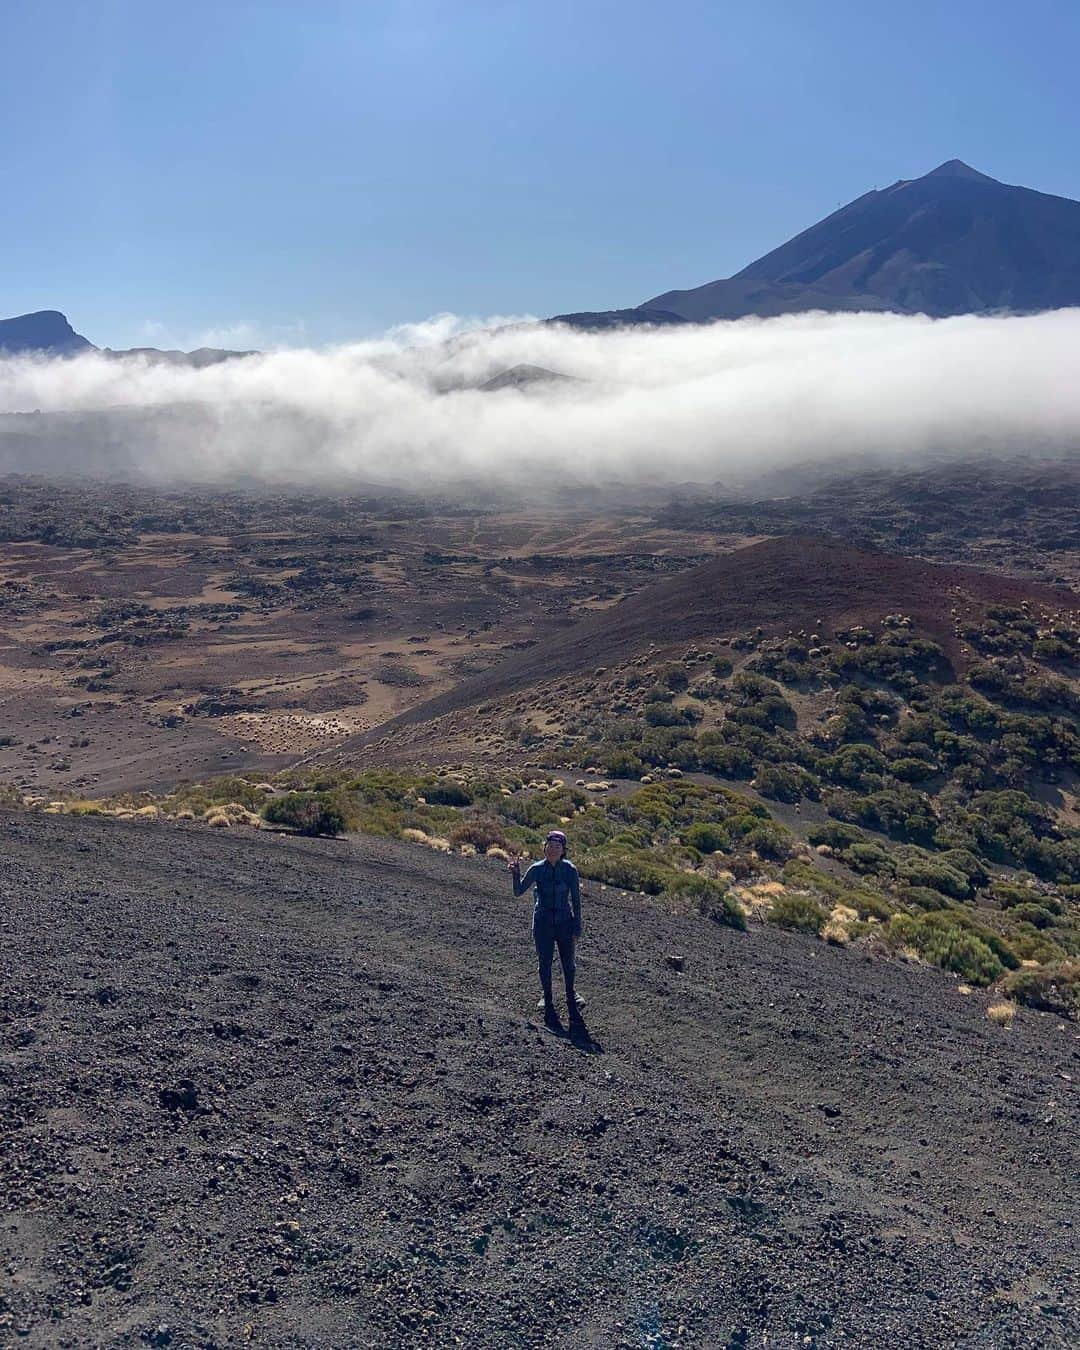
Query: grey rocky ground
<point x="263" y="1090"/>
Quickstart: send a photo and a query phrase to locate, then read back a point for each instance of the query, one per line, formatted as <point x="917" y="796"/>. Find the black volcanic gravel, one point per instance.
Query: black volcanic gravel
<point x="269" y="1091"/>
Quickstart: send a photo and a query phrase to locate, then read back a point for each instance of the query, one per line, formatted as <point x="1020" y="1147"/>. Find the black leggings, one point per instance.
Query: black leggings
<point x="548" y="936"/>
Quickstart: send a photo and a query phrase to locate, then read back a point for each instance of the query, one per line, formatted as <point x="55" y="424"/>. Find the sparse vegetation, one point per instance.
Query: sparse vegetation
<point x="308" y="813"/>
<point x="882" y="784"/>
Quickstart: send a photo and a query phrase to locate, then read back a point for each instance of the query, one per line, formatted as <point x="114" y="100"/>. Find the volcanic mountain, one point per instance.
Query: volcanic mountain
<point x="952" y="242"/>
<point x="522" y="377"/>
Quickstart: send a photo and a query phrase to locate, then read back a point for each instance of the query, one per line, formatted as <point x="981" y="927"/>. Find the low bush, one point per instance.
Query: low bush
<point x="799" y="913"/>
<point x="481" y="834"/>
<point x="628" y="869"/>
<point x="835" y="834"/>
<point x="925" y="871"/>
<point x="784" y="782"/>
<point x="868" y="857"/>
<point x="706" y="837"/>
<point x="311" y="813"/>
<point x="665" y="715"/>
<point x="1037" y="915"/>
<point x="1053" y="988"/>
<point x="712" y="900"/>
<point x="943" y="942"/>
<point x="921" y="897"/>
<point x="910" y="770"/>
<point x="674" y="676"/>
<point x="447" y="792"/>
<point x="620" y="762"/>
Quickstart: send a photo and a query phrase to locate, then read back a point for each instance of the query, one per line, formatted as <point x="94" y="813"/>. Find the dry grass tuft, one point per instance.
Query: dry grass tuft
<point x="837" y="929"/>
<point x="757" y="900"/>
<point x="87" y="806"/>
<point x="1001" y="1014"/>
<point x="232" y="813"/>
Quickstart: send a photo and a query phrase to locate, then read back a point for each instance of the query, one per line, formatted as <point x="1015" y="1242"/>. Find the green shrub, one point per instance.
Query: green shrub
<point x="800" y="913"/>
<point x="922" y="897"/>
<point x="711" y="900"/>
<point x="706" y="837"/>
<point x="481" y="834"/>
<point x="724" y="758"/>
<point x="1054" y="988"/>
<point x="674" y="676"/>
<point x="868" y="857"/>
<point x="1052" y="649"/>
<point x="964" y="861"/>
<point x="924" y="870"/>
<point x="230" y="789"/>
<point x="447" y="792"/>
<point x="784" y="782"/>
<point x="938" y="939"/>
<point x="1037" y="915"/>
<point x="619" y="762"/>
<point x="722" y="667"/>
<point x="835" y="834"/>
<point x="1009" y="896"/>
<point x="664" y="715"/>
<point x="632" y="871"/>
<point x="856" y="766"/>
<point x="1030" y="944"/>
<point x="311" y="813"/>
<point x="868" y="903"/>
<point x="910" y="770"/>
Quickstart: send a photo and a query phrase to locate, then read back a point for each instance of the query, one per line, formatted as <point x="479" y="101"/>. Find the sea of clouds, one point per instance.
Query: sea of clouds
<point x="671" y="405"/>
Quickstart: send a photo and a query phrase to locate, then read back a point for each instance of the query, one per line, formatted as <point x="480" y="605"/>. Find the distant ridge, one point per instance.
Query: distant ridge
<point x="47" y="332"/>
<point x="955" y="241"/>
<point x="200" y="357"/>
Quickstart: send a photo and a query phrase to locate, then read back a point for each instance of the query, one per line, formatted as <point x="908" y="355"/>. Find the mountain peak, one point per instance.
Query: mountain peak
<point x="956" y="168"/>
<point x="46" y="330"/>
<point x="955" y="241"/>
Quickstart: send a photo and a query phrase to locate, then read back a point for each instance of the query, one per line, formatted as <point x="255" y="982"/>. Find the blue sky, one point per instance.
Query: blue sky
<point x="259" y="174"/>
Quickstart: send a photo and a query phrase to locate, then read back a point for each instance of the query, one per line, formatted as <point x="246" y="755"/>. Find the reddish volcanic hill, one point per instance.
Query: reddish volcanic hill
<point x="778" y="585"/>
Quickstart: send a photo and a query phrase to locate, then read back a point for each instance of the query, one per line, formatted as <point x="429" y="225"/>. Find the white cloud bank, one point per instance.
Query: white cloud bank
<point x="670" y="405"/>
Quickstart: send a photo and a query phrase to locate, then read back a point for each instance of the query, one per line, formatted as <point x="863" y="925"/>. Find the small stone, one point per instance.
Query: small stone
<point x="183" y="1097"/>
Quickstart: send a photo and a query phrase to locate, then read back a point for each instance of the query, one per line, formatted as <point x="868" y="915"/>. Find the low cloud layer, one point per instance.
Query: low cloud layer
<point x="710" y="405"/>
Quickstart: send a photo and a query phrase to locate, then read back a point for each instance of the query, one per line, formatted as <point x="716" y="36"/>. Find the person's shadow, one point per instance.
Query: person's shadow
<point x="578" y="1034"/>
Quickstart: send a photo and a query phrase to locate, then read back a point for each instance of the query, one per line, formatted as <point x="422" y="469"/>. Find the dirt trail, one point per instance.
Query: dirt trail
<point x="785" y="1144"/>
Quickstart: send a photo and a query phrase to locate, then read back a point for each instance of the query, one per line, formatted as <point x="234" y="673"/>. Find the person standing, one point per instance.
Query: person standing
<point x="556" y="918"/>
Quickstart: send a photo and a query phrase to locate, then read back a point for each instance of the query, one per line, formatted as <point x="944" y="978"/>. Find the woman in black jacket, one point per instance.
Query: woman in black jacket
<point x="556" y="917"/>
